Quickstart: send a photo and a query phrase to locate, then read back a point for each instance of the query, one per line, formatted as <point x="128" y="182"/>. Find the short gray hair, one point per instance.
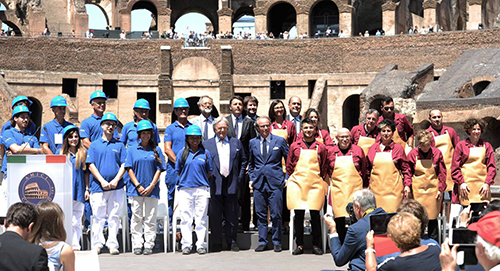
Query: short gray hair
<point x="365" y="199"/>
<point x="219" y="120"/>
<point x="203" y="97"/>
<point x="491" y="251"/>
<point x="372" y="111"/>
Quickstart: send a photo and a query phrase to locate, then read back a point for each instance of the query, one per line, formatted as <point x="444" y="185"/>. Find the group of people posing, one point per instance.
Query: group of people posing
<point x="214" y="165"/>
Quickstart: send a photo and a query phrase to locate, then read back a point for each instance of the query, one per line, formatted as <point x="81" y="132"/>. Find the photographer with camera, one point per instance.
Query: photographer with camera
<point x="353" y="249"/>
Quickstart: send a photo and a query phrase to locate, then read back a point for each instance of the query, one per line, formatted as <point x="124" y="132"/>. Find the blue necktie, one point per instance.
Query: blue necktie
<point x="264" y="149"/>
<point x="236" y="128"/>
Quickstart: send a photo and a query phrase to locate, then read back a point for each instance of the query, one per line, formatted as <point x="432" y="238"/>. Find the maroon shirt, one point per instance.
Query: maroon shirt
<point x="437" y="162"/>
<point x="461" y="155"/>
<point x="451" y="132"/>
<point x="398" y="157"/>
<point x="405" y="130"/>
<point x="290" y="129"/>
<point x="327" y="140"/>
<point x="358" y="158"/>
<point x="294" y="154"/>
<point x="359" y="130"/>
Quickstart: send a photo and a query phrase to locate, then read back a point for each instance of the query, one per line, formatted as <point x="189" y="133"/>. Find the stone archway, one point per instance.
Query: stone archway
<point x="367" y="16"/>
<point x="350" y="111"/>
<point x="104" y="11"/>
<point x="207" y="8"/>
<point x="324" y="14"/>
<point x="281" y="17"/>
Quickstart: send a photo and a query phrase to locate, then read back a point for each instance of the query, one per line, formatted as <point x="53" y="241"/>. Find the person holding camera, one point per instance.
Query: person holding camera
<point x="353" y="249"/>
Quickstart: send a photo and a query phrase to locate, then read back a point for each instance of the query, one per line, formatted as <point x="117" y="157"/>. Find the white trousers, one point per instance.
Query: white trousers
<point x="455" y="211"/>
<point x="193" y="204"/>
<point x="106" y="206"/>
<point x="76" y="223"/>
<point x="144" y="212"/>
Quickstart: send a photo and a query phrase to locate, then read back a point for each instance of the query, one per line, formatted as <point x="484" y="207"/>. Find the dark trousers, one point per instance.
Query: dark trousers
<point x="341" y="228"/>
<point x="432" y="229"/>
<point x="227" y="207"/>
<point x="266" y="197"/>
<point x="244" y="201"/>
<point x="315" y="225"/>
<point x="285" y="213"/>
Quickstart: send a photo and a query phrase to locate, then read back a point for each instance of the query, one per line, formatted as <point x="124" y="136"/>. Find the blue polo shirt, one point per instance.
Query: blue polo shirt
<point x="48" y="132"/>
<point x="143" y="163"/>
<point x="14" y="136"/>
<point x="31" y="130"/>
<point x="129" y="134"/>
<point x="176" y="134"/>
<point x="91" y="128"/>
<point x="78" y="180"/>
<point x="107" y="156"/>
<point x="195" y="171"/>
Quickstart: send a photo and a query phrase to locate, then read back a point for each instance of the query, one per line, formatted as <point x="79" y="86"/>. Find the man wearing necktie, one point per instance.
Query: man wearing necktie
<point x="295" y="106"/>
<point x="205" y="120"/>
<point x="266" y="153"/>
<point x="229" y="165"/>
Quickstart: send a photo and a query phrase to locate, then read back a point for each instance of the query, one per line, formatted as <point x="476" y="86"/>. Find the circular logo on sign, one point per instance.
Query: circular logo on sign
<point x="36" y="187"/>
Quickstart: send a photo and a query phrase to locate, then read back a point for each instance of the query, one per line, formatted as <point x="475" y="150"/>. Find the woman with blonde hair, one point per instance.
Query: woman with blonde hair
<point x="73" y="148"/>
<point x="49" y="233"/>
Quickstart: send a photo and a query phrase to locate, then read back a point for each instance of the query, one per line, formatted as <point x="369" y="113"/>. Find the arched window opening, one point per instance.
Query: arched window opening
<point x="97" y="17"/>
<point x="350" y="112"/>
<point x="244" y="27"/>
<point x="281" y="19"/>
<point x="480" y="86"/>
<point x="324" y="16"/>
<point x="144" y="17"/>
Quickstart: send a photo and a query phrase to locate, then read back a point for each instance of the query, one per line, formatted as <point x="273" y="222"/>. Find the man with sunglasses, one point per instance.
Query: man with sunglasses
<point x="404" y="131"/>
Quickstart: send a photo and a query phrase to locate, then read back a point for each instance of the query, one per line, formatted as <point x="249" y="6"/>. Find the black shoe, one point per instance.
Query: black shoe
<point x="234" y="247"/>
<point x="298" y="251"/>
<point x="317" y="251"/>
<point x="278" y="248"/>
<point x="260" y="248"/>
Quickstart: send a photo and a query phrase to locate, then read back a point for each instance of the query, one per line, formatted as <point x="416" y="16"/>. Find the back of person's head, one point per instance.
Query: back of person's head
<point x="418" y="210"/>
<point x="21" y="214"/>
<point x="404" y="230"/>
<point x="365" y="199"/>
<point x="50" y="226"/>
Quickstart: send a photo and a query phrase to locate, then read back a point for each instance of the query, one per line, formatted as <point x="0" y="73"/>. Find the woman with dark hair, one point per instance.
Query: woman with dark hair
<point x="389" y="177"/>
<point x="193" y="165"/>
<point x="49" y="233"/>
<point x="473" y="167"/>
<point x="280" y="126"/>
<point x="321" y="135"/>
<point x="73" y="148"/>
<point x="144" y="164"/>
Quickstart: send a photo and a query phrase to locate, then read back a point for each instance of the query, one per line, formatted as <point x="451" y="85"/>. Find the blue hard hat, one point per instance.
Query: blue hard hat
<point x="69" y="128"/>
<point x="109" y="116"/>
<point x="142" y="103"/>
<point x="20" y="98"/>
<point x="97" y="94"/>
<point x="20" y="109"/>
<point x="181" y="102"/>
<point x="144" y="125"/>
<point x="193" y="130"/>
<point x="58" y="101"/>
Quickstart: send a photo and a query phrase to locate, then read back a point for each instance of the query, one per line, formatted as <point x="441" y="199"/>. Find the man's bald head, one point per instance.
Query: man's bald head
<point x="344" y="138"/>
<point x="436" y="119"/>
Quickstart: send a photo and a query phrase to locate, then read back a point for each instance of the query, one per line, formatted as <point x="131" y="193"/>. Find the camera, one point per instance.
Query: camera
<point x="350" y="210"/>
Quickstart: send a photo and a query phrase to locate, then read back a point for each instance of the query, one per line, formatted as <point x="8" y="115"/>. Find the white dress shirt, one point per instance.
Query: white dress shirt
<point x="223" y="149"/>
<point x="240" y="124"/>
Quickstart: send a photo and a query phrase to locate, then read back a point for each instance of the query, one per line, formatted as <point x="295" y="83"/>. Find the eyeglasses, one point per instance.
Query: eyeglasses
<point x="264" y="126"/>
<point x="389" y="108"/>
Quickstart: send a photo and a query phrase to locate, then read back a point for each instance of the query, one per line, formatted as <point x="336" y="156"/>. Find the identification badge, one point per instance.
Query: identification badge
<point x="58" y="139"/>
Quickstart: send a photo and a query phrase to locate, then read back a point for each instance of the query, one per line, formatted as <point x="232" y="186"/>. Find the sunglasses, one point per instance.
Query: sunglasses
<point x="387" y="108"/>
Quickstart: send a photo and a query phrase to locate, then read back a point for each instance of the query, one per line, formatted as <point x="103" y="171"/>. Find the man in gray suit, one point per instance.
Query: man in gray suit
<point x="295" y="106"/>
<point x="205" y="120"/>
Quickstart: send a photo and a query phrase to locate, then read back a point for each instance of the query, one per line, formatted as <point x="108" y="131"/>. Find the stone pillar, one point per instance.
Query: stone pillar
<point x="165" y="91"/>
<point x="81" y="24"/>
<point x="37" y="23"/>
<point x="389" y="17"/>
<point x="226" y="90"/>
<point x="126" y="20"/>
<point x="164" y="20"/>
<point x="303" y="23"/>
<point x="225" y="21"/>
<point x="345" y="19"/>
<point x="260" y="21"/>
<point x="430" y="18"/>
<point x="475" y="15"/>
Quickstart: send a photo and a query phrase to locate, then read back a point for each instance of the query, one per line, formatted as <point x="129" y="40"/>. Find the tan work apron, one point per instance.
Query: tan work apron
<point x="345" y="181"/>
<point x="284" y="134"/>
<point x="444" y="144"/>
<point x="474" y="172"/>
<point x="306" y="189"/>
<point x="385" y="182"/>
<point x="398" y="140"/>
<point x="320" y="139"/>
<point x="425" y="186"/>
<point x="365" y="143"/>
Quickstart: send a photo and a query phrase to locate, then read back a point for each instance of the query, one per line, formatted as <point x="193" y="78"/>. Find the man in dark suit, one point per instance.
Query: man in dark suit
<point x="229" y="161"/>
<point x="266" y="176"/>
<point x="295" y="106"/>
<point x="16" y="253"/>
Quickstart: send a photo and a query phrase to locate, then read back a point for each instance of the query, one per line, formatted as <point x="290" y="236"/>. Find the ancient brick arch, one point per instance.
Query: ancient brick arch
<point x="9" y="18"/>
<point x="242" y="11"/>
<point x="312" y="3"/>
<point x="268" y="5"/>
<point x="108" y="16"/>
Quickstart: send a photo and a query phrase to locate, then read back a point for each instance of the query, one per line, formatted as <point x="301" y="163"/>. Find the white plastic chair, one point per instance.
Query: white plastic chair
<point x="86" y="260"/>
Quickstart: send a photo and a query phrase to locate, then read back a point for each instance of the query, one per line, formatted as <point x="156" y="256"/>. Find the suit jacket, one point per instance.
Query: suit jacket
<point x="199" y="121"/>
<point x="237" y="166"/>
<point x="246" y="132"/>
<point x="297" y="127"/>
<point x="16" y="254"/>
<point x="272" y="167"/>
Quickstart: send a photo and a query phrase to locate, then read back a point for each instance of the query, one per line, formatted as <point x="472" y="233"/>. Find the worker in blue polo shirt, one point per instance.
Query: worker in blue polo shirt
<point x="106" y="161"/>
<point x="51" y="137"/>
<point x="16" y="140"/>
<point x="129" y="130"/>
<point x="174" y="140"/>
<point x="91" y="126"/>
<point x="145" y="162"/>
